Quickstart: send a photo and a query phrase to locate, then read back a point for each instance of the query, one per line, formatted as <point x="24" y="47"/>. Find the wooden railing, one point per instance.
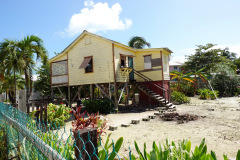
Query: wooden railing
<point x="155" y="84"/>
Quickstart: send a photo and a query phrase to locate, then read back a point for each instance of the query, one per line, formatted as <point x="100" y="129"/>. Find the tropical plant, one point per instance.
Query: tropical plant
<point x="206" y="94"/>
<point x="43" y="81"/>
<point x="225" y="80"/>
<point x="182" y="78"/>
<point x="207" y="56"/>
<point x="182" y="151"/>
<point x="11" y="61"/>
<point x="28" y="47"/>
<point x="3" y="143"/>
<point x="199" y="73"/>
<point x="56" y="115"/>
<point x="138" y="42"/>
<point x="8" y="85"/>
<point x="98" y="105"/>
<point x="179" y="97"/>
<point x="105" y="152"/>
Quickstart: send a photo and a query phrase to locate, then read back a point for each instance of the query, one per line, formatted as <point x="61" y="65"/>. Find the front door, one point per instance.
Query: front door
<point x="130" y="65"/>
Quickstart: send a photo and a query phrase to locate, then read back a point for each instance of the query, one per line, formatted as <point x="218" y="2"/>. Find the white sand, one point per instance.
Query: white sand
<point x="221" y="127"/>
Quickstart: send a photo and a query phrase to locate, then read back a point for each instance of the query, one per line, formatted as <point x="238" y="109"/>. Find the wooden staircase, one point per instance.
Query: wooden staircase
<point x="165" y="101"/>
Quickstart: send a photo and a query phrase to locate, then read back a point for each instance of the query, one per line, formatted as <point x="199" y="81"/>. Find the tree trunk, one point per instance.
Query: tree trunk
<point x="15" y="83"/>
<point x="27" y="85"/>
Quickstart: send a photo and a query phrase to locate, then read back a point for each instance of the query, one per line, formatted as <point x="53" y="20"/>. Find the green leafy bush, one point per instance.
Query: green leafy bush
<point x="3" y="143"/>
<point x="179" y="97"/>
<point x="207" y="94"/>
<point x="98" y="105"/>
<point x="182" y="151"/>
<point x="105" y="152"/>
<point x="57" y="114"/>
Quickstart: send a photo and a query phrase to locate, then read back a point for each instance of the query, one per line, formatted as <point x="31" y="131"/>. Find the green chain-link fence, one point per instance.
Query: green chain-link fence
<point x="27" y="139"/>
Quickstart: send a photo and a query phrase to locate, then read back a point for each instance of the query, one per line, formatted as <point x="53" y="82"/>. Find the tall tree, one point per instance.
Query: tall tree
<point x="28" y="47"/>
<point x="182" y="78"/>
<point x="138" y="42"/>
<point x="9" y="85"/>
<point x="43" y="82"/>
<point x="207" y="56"/>
<point x="12" y="62"/>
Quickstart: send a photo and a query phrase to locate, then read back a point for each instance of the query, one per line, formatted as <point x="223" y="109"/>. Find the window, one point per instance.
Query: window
<point x="89" y="67"/>
<point x="148" y="62"/>
<point x="175" y="67"/>
<point x="87" y="64"/>
<point x="123" y="61"/>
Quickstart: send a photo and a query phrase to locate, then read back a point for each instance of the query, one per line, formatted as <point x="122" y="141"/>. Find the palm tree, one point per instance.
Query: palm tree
<point x="182" y="77"/>
<point x="11" y="61"/>
<point x="138" y="42"/>
<point x="200" y="74"/>
<point x="28" y="47"/>
<point x="9" y="85"/>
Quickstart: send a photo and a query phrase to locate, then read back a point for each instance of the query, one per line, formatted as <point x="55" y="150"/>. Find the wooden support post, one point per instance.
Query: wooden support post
<point x="127" y="95"/>
<point x="45" y="115"/>
<point x="52" y="95"/>
<point x="69" y="97"/>
<point x="116" y="96"/>
<point x="79" y="93"/>
<point x="91" y="92"/>
<point x="90" y="149"/>
<point x="41" y="113"/>
<point x="62" y="94"/>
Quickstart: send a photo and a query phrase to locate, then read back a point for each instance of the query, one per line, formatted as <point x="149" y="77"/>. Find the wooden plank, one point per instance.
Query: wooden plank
<point x="62" y="95"/>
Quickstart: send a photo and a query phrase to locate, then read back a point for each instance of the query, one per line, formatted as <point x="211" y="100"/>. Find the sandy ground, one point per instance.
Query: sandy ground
<point x="220" y="127"/>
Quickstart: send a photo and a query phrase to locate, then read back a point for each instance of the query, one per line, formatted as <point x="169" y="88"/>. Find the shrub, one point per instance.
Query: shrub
<point x="225" y="80"/>
<point x="57" y="114"/>
<point x="179" y="97"/>
<point x="180" y="151"/>
<point x="206" y="94"/>
<point x="98" y="105"/>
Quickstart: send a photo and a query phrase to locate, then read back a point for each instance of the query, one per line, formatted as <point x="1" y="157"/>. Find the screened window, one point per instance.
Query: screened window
<point x="148" y="62"/>
<point x="59" y="68"/>
<point x="175" y="67"/>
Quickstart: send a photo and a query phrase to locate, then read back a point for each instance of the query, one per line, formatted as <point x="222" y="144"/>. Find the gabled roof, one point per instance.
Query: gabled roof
<point x="103" y="38"/>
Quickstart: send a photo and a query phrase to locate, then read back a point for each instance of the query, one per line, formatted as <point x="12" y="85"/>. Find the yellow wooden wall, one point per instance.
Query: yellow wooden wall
<point x="154" y="75"/>
<point x="102" y="61"/>
<point x="166" y="66"/>
<point x="120" y="77"/>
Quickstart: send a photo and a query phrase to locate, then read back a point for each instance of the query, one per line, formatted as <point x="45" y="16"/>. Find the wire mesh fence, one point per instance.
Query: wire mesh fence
<point x="28" y="138"/>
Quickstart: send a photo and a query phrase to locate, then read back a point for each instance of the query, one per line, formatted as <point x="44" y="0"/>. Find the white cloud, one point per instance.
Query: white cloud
<point x="180" y="56"/>
<point x="97" y="17"/>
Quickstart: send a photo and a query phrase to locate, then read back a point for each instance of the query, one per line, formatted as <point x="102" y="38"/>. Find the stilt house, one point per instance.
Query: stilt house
<point x="99" y="62"/>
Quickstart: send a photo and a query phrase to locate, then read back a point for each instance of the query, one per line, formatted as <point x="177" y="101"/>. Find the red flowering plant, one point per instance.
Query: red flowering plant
<point x="57" y="114"/>
<point x="85" y="120"/>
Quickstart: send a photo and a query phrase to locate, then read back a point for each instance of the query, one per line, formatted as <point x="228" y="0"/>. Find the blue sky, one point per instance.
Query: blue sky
<point x="179" y="25"/>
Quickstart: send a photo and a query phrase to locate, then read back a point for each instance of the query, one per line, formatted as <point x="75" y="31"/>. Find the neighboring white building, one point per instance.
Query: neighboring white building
<point x="175" y="66"/>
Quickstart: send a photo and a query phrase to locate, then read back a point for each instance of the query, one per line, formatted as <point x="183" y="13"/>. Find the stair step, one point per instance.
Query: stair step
<point x="169" y="104"/>
<point x="161" y="100"/>
<point x="173" y="106"/>
<point x="157" y="114"/>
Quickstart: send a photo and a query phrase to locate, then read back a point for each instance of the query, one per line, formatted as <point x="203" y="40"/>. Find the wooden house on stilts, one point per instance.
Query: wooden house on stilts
<point x="99" y="62"/>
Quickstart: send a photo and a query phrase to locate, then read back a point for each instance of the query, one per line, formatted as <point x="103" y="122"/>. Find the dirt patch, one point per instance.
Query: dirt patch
<point x="218" y="121"/>
<point x="180" y="118"/>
